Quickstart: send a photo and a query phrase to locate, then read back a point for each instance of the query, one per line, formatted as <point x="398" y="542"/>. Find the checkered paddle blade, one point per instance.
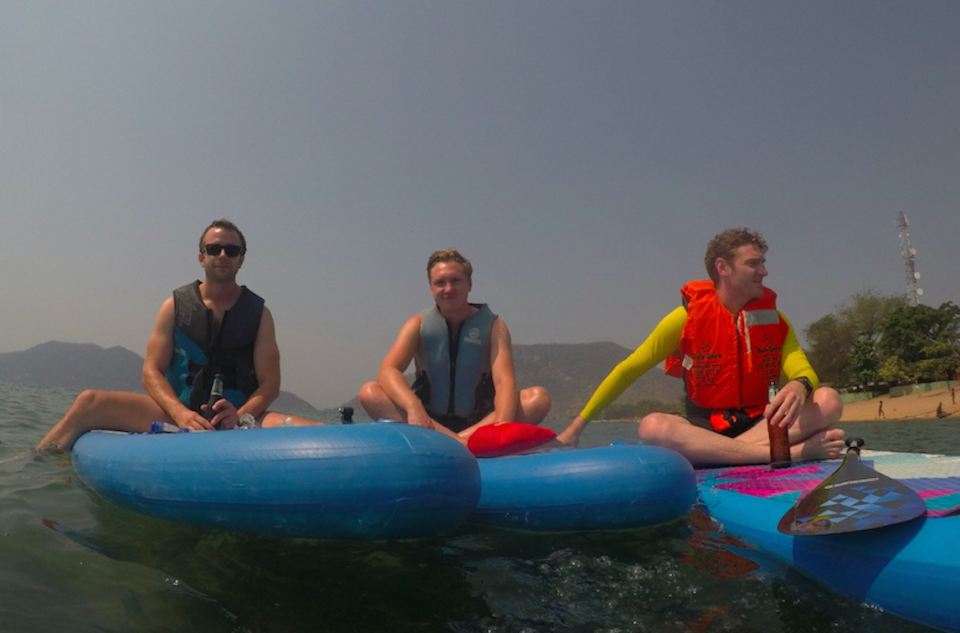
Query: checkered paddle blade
<point x="853" y="498"/>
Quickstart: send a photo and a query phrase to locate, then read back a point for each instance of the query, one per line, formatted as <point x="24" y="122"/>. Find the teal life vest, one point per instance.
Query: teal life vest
<point x="199" y="351"/>
<point x="453" y="368"/>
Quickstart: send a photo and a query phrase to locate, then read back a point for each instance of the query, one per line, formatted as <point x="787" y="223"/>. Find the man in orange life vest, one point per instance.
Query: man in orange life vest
<point x="728" y="342"/>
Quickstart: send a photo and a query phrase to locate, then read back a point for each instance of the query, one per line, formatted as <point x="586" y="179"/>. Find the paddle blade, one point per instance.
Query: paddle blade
<point x="854" y="498"/>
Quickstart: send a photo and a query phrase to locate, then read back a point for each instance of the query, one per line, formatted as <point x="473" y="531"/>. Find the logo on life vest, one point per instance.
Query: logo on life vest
<point x="473" y="336"/>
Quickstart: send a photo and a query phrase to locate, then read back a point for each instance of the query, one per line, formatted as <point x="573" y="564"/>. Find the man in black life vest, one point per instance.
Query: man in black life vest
<point x="464" y="363"/>
<point x="212" y="327"/>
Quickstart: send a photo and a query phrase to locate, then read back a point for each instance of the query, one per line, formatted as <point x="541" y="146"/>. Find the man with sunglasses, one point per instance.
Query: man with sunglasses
<point x="212" y="327"/>
<point x="464" y="362"/>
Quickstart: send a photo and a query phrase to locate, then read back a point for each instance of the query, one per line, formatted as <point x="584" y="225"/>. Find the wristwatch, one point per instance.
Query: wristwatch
<point x="803" y="380"/>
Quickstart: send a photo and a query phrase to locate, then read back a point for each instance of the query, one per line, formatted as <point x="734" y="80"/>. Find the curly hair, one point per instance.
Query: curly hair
<point x="725" y="245"/>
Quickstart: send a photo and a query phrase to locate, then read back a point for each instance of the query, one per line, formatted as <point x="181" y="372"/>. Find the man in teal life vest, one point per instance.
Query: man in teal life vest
<point x="212" y="327"/>
<point x="464" y="363"/>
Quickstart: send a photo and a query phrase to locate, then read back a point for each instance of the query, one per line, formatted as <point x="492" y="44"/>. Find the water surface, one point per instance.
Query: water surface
<point x="71" y="561"/>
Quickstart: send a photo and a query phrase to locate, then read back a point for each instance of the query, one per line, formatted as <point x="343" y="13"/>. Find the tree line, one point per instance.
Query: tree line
<point x="873" y="338"/>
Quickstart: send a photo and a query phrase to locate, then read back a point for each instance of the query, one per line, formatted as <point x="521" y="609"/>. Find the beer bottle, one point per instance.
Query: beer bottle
<point x="216" y="394"/>
<point x="779" y="442"/>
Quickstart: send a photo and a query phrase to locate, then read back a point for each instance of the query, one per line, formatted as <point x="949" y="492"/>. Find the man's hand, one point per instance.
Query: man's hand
<point x="785" y="409"/>
<point x="420" y="418"/>
<point x="188" y="419"/>
<point x="225" y="415"/>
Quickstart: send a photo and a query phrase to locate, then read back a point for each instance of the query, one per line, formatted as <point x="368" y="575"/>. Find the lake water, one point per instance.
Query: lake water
<point x="69" y="561"/>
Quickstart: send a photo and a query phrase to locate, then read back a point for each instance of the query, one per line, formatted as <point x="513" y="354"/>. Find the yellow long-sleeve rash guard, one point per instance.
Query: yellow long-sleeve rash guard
<point x="663" y="341"/>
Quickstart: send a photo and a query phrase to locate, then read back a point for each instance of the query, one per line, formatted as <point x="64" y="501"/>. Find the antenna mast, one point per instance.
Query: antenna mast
<point x="914" y="291"/>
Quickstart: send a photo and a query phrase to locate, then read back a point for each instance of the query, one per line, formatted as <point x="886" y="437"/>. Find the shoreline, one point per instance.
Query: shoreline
<point x="914" y="406"/>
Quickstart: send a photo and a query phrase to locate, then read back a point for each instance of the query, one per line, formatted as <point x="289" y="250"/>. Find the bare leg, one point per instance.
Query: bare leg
<point x="271" y="418"/>
<point x="105" y="410"/>
<point x="534" y="405"/>
<point x="819" y="413"/>
<point x="378" y="404"/>
<point x="811" y="437"/>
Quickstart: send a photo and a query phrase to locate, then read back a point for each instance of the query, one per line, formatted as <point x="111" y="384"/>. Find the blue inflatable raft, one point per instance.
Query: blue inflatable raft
<point x="911" y="569"/>
<point x="369" y="481"/>
<point x="616" y="487"/>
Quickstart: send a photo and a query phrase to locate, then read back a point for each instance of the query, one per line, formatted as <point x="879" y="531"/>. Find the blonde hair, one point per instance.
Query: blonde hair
<point x="449" y="255"/>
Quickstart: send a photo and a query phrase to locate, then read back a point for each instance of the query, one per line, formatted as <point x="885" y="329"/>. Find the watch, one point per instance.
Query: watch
<point x="803" y="380"/>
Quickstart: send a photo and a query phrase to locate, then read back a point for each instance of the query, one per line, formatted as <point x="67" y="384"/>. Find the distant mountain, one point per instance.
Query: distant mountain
<point x="74" y="366"/>
<point x="572" y="372"/>
<point x="87" y="366"/>
<point x="295" y="405"/>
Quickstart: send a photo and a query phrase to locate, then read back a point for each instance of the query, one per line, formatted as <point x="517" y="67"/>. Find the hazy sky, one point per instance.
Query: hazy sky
<point x="581" y="154"/>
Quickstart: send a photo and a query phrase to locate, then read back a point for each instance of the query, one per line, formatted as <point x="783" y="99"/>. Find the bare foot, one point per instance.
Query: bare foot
<point x="824" y="445"/>
<point x="272" y="419"/>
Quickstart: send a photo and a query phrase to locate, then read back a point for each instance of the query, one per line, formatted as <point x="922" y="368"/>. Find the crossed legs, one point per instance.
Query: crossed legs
<point x="534" y="405"/>
<point x="811" y="437"/>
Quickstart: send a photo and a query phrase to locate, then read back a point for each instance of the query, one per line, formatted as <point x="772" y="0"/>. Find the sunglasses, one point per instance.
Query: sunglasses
<point x="213" y="250"/>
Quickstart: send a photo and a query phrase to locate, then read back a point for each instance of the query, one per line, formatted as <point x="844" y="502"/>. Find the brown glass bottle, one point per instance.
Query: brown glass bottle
<point x="216" y="393"/>
<point x="779" y="442"/>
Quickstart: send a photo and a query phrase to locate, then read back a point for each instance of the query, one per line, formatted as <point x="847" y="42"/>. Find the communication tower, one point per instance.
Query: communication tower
<point x="914" y="291"/>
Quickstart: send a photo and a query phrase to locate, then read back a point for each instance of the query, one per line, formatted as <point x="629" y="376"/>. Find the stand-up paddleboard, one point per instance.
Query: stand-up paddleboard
<point x="366" y="481"/>
<point x="910" y="569"/>
<point x="618" y="487"/>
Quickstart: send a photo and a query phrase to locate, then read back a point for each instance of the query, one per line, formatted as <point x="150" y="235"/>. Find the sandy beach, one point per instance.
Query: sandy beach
<point x="915" y="406"/>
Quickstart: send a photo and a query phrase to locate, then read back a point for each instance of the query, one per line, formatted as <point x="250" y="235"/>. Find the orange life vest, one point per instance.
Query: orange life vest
<point x="727" y="361"/>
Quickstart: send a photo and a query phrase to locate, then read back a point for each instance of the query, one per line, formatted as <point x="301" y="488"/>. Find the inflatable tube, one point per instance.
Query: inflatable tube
<point x="615" y="487"/>
<point x="911" y="569"/>
<point x="368" y="481"/>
